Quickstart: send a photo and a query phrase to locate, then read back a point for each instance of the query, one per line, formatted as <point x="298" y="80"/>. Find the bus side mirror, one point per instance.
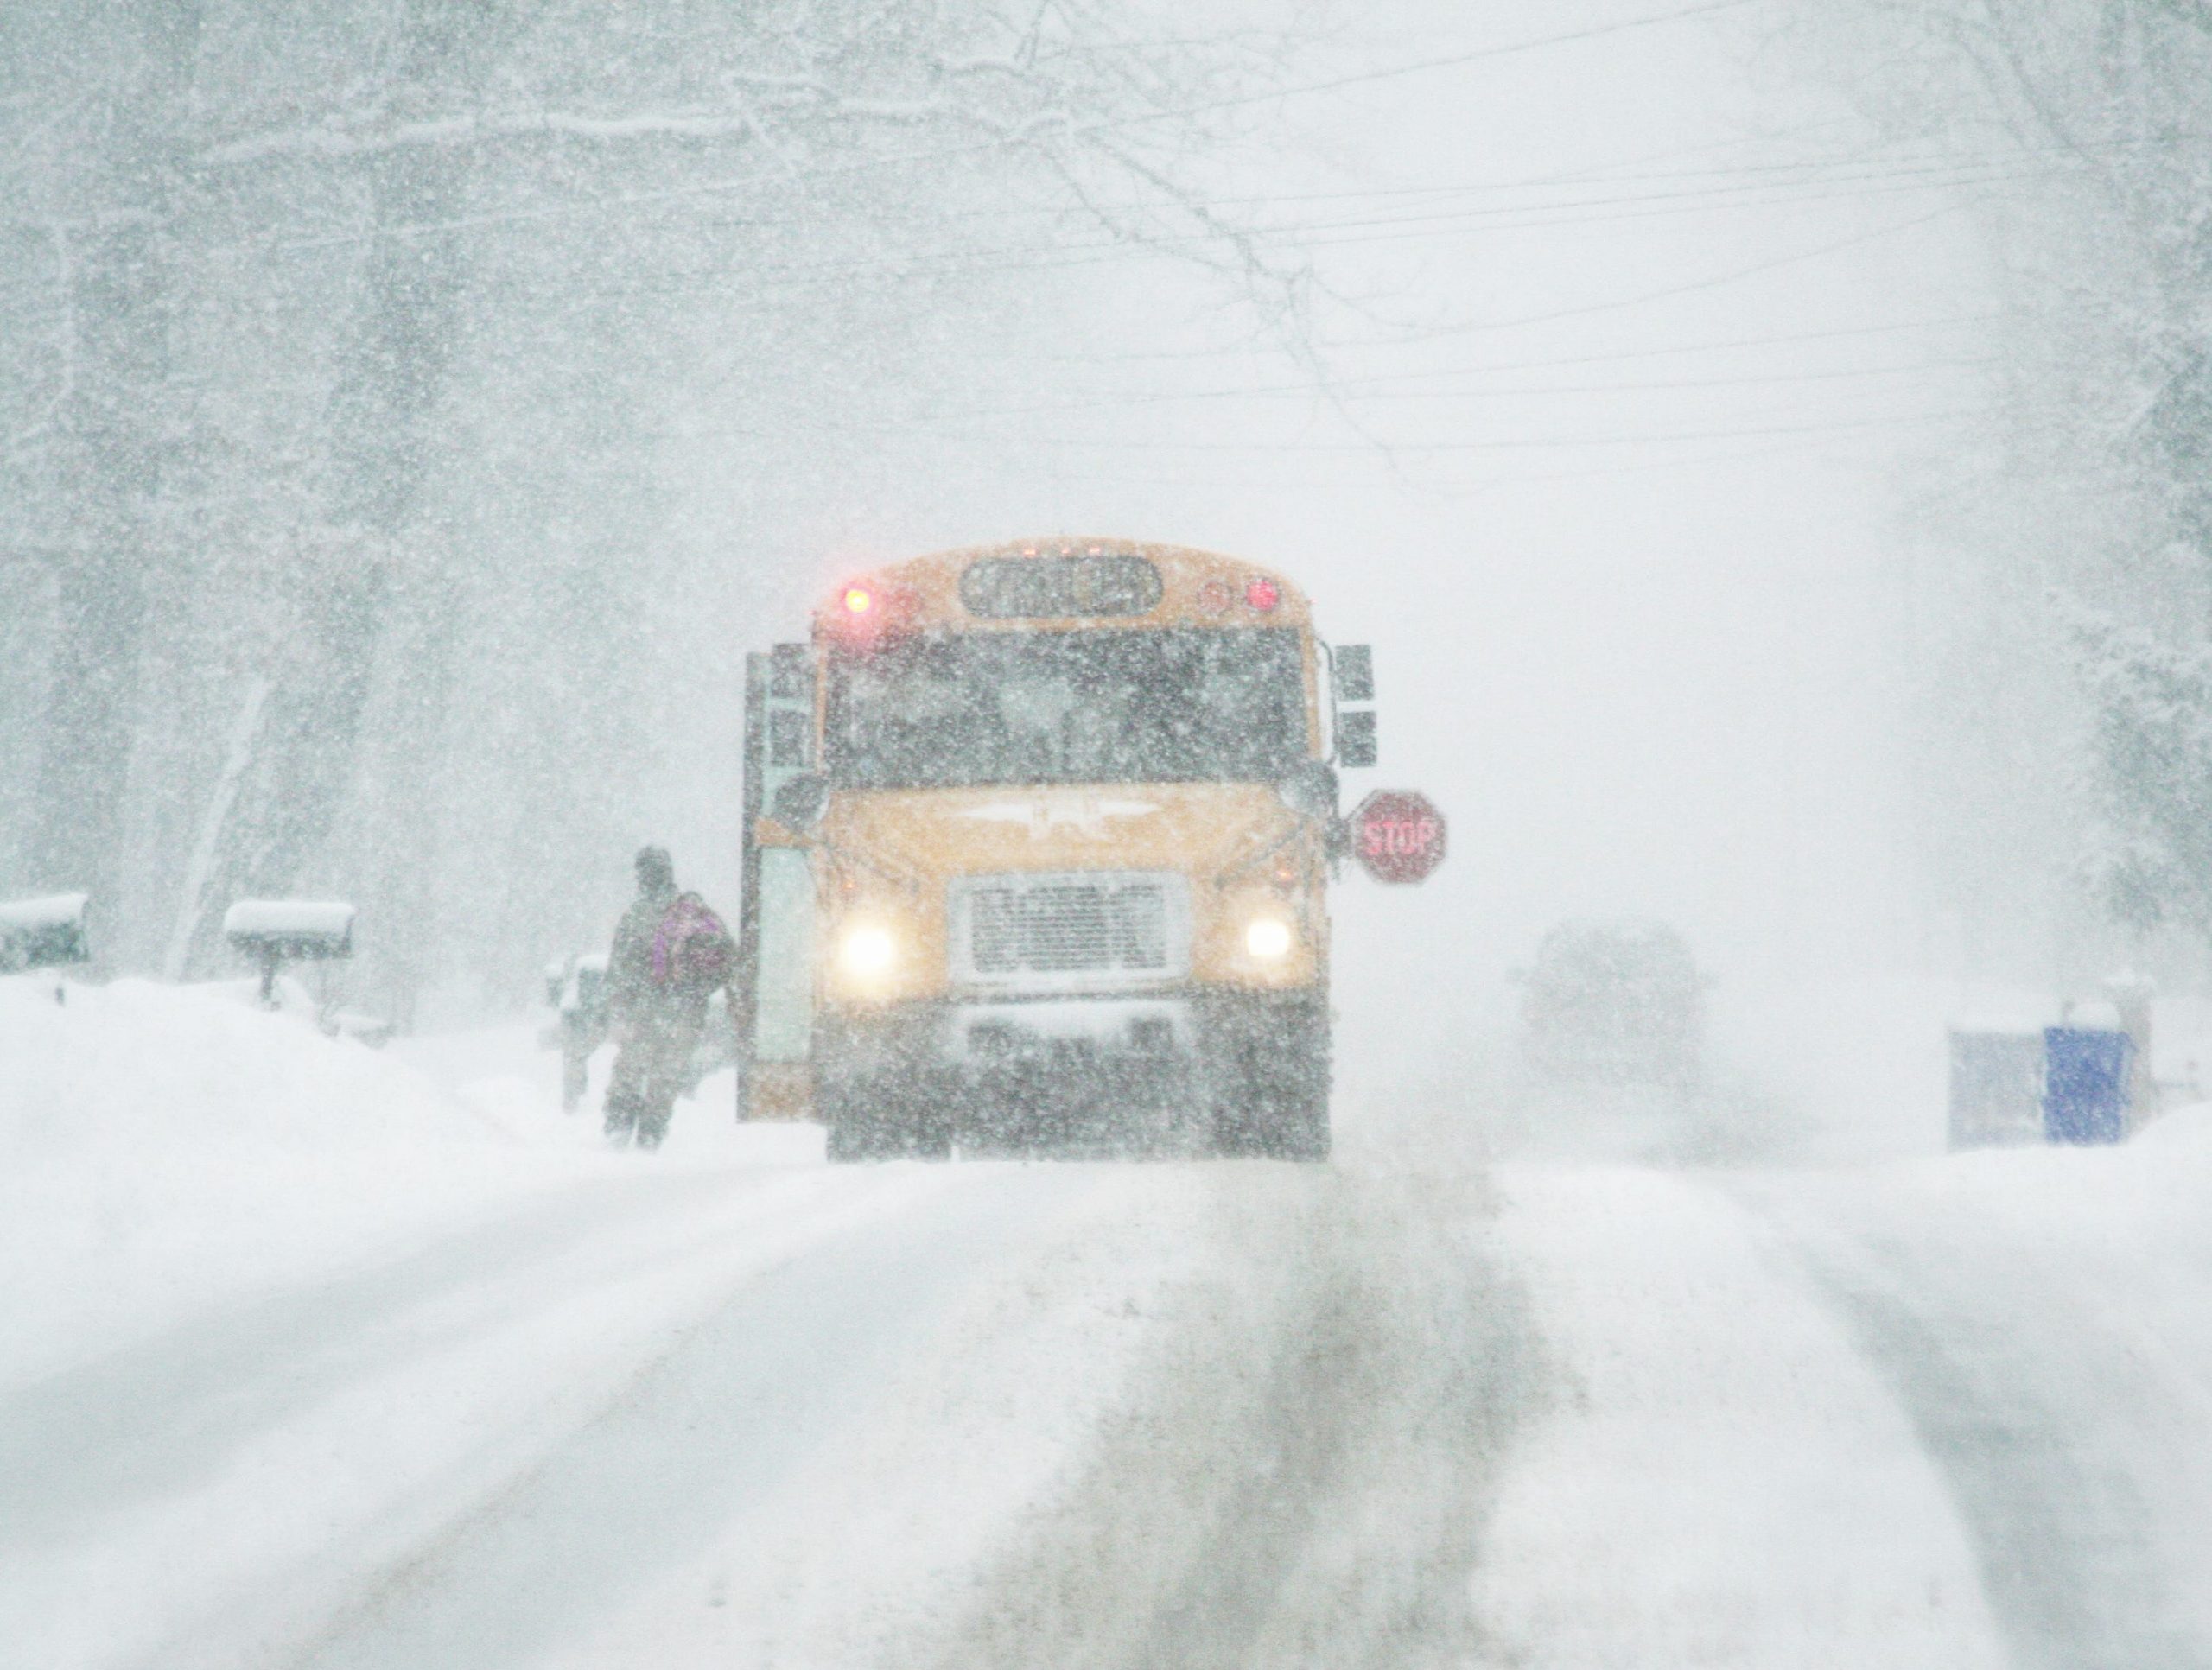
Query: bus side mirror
<point x="801" y="801"/>
<point x="1310" y="787"/>
<point x="1352" y="672"/>
<point x="1355" y="738"/>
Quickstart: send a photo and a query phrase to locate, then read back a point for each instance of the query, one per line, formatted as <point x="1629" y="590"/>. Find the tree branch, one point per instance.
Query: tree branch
<point x="65" y="332"/>
<point x="2196" y="13"/>
<point x="337" y="141"/>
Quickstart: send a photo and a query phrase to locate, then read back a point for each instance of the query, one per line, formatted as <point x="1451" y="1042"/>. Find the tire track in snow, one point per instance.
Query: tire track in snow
<point x="1302" y="1475"/>
<point x="2028" y="1445"/>
<point x="1729" y="1480"/>
<point x="160" y="1416"/>
<point x="701" y="1437"/>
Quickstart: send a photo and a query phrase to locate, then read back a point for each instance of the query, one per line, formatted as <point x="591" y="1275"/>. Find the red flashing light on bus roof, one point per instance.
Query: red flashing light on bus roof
<point x="858" y="599"/>
<point x="1264" y="594"/>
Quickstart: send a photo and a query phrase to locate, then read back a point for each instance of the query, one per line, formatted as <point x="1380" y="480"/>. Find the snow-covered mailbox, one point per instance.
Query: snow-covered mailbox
<point x="577" y="991"/>
<point x="275" y="931"/>
<point x="42" y="933"/>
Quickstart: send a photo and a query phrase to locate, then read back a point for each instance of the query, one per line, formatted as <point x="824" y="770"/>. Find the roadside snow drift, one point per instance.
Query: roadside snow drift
<point x="161" y="1147"/>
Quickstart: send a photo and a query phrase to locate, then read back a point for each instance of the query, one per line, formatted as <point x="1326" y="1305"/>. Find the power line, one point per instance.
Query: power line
<point x="1552" y="362"/>
<point x="1080" y="129"/>
<point x="1829" y="171"/>
<point x="922" y="428"/>
<point x="1601" y="174"/>
<point x="1357" y="391"/>
<point x="1752" y="178"/>
<point x="1513" y="444"/>
<point x="941" y="264"/>
<point x="1456" y="61"/>
<point x="1457" y="485"/>
<point x="1006" y="259"/>
<point x="1735" y="455"/>
<point x="671" y="194"/>
<point x="1714" y="282"/>
<point x="1561" y="212"/>
<point x="1541" y="216"/>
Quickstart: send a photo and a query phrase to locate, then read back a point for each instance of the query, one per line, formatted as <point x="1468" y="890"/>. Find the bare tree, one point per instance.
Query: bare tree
<point x="2092" y="542"/>
<point x="368" y="331"/>
<point x="100" y="436"/>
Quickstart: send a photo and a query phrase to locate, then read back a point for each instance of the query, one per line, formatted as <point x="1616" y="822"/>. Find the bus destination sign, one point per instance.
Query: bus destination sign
<point x="1398" y="835"/>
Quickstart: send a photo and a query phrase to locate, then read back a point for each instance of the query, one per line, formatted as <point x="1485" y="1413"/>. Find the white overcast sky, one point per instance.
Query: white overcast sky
<point x="1658" y="335"/>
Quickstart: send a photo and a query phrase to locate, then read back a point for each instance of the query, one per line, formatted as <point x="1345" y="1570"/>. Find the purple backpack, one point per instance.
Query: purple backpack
<point x="692" y="951"/>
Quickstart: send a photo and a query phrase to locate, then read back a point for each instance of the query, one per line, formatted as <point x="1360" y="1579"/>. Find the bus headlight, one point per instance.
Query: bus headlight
<point x="867" y="952"/>
<point x="1266" y="937"/>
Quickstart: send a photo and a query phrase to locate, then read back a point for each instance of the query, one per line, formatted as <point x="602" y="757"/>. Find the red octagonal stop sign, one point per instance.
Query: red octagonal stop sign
<point x="1398" y="835"/>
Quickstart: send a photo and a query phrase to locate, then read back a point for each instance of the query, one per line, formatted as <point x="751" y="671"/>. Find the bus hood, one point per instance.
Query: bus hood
<point x="1205" y="830"/>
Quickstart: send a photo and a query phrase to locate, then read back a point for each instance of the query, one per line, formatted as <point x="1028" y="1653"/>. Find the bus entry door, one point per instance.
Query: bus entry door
<point x="776" y="908"/>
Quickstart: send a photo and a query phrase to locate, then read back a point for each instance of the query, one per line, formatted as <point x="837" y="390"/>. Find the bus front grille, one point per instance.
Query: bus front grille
<point x="1076" y="931"/>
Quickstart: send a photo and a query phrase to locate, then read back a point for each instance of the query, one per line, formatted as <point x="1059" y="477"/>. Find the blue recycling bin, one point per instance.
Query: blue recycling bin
<point x="2085" y="1084"/>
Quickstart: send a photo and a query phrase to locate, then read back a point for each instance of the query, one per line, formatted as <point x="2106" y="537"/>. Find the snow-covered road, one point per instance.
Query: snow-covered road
<point x="736" y="1407"/>
<point x="986" y="1414"/>
<point x="2059" y="1383"/>
<point x="1949" y="1414"/>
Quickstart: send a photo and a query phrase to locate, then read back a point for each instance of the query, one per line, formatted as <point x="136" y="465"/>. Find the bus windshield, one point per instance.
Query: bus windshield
<point x="1175" y="705"/>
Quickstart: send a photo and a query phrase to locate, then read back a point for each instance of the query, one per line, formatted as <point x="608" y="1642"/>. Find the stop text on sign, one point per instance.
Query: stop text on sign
<point x="1398" y="835"/>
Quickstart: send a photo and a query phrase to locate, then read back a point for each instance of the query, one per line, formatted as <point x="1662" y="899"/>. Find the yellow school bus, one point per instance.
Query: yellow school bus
<point x="1037" y="844"/>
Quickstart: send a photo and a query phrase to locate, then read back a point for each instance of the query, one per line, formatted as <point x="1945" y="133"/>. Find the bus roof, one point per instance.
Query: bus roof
<point x="1199" y="588"/>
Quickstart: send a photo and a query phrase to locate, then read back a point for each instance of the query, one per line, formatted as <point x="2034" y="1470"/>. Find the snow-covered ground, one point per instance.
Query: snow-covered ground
<point x="318" y="1355"/>
<point x="1946" y="1412"/>
<point x="162" y="1150"/>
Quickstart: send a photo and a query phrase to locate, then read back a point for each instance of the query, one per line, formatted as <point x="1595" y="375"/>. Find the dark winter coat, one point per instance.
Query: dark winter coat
<point x="630" y="988"/>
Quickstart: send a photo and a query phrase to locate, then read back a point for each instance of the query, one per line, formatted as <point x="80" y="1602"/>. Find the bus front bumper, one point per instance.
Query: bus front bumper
<point x="1106" y="1076"/>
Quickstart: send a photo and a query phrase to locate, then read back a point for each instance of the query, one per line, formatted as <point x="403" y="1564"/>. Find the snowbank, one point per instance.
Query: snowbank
<point x="2134" y="1215"/>
<point x="163" y="1148"/>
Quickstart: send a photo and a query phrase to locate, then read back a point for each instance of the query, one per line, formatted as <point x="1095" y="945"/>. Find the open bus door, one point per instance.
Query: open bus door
<point x="775" y="926"/>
